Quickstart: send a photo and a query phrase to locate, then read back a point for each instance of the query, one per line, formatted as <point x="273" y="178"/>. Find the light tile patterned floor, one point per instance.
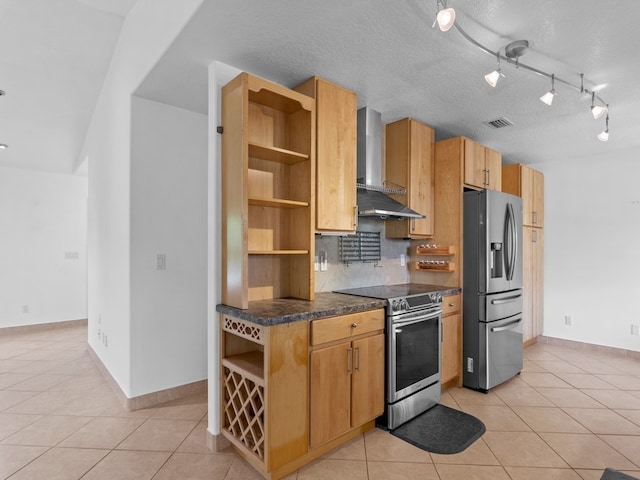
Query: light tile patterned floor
<point x="569" y="415"/>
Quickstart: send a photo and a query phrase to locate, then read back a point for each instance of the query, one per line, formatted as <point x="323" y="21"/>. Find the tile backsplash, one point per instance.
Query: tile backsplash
<point x="387" y="271"/>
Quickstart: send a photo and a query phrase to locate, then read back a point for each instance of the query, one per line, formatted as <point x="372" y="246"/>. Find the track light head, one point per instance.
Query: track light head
<point x="604" y="135"/>
<point x="548" y="97"/>
<point x="493" y="77"/>
<point x="596" y="110"/>
<point x="445" y="17"/>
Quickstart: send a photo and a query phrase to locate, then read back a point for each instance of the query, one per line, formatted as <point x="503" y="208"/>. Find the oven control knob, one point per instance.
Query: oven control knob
<point x="404" y="305"/>
<point x="395" y="305"/>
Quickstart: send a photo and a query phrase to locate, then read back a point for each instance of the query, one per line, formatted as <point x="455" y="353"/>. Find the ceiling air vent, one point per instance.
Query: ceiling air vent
<point x="500" y="123"/>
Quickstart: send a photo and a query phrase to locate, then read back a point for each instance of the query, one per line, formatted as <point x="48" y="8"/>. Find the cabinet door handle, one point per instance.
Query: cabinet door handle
<point x="487" y="176"/>
<point x="349" y="361"/>
<point x="354" y="325"/>
<point x="452" y="304"/>
<point x="535" y="218"/>
<point x="357" y="359"/>
<point x="413" y="224"/>
<point x="534" y="236"/>
<point x="355" y="217"/>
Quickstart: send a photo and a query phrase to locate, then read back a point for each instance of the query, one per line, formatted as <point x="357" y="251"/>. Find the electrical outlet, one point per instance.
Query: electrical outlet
<point x="161" y="261"/>
<point x="568" y="320"/>
<point x="403" y="260"/>
<point x="316" y="263"/>
<point x="469" y="365"/>
<point x="635" y="329"/>
<point x="25" y="308"/>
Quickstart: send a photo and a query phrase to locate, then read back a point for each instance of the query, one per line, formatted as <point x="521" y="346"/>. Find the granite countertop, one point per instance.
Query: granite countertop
<point x="286" y="310"/>
<point x="325" y="304"/>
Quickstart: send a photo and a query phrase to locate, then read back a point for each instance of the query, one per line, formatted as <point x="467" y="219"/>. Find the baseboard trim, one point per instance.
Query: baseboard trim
<point x="150" y="399"/>
<point x="41" y="327"/>
<point x="589" y="347"/>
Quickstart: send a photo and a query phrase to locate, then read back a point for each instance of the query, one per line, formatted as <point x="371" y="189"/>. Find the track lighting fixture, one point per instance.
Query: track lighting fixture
<point x="596" y="110"/>
<point x="445" y="17"/>
<point x="493" y="77"/>
<point x="604" y="135"/>
<point x="548" y="97"/>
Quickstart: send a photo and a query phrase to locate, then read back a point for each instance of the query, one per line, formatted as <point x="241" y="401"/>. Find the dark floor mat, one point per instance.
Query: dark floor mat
<point x="441" y="430"/>
<point x="612" y="474"/>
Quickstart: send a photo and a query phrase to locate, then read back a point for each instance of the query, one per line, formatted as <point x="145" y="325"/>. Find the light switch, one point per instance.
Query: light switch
<point x="161" y="261"/>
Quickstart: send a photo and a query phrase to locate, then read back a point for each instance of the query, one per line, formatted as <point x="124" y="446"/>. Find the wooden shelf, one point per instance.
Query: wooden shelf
<point x="436" y="267"/>
<point x="275" y="154"/>
<point x="276" y="202"/>
<point x="251" y="364"/>
<point x="436" y="250"/>
<point x="278" y="252"/>
<point x="270" y="98"/>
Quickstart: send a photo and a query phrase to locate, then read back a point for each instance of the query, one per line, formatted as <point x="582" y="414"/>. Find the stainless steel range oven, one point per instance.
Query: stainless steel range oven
<point x="413" y="333"/>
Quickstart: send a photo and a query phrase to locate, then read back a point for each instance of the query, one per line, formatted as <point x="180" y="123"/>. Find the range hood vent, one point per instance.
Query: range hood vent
<point x="373" y="199"/>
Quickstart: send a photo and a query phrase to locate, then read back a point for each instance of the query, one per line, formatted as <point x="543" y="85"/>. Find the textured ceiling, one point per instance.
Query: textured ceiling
<point x="56" y="53"/>
<point x="388" y="53"/>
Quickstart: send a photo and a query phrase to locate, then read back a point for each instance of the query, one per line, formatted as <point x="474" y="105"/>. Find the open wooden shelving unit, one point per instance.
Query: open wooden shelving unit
<point x="268" y="186"/>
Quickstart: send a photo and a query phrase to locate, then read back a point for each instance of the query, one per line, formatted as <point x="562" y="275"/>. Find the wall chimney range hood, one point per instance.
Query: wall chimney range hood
<point x="373" y="199"/>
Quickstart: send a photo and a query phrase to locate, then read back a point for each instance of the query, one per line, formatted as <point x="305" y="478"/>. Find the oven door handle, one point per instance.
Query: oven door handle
<point x="429" y="316"/>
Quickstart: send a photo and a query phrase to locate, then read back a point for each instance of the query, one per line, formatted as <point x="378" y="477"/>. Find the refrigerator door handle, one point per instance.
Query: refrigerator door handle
<point x="506" y="300"/>
<point x="508" y="326"/>
<point x="511" y="242"/>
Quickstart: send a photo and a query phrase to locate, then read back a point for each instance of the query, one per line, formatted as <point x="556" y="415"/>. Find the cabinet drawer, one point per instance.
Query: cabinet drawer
<point x="336" y="328"/>
<point x="451" y="304"/>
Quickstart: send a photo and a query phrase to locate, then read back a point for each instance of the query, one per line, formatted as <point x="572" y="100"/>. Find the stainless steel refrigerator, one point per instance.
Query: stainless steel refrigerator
<point x="492" y="288"/>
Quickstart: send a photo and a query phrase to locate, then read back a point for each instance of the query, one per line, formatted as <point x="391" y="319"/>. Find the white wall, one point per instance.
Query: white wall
<point x="147" y="32"/>
<point x="592" y="253"/>
<point x="168" y="216"/>
<point x="219" y="75"/>
<point x="43" y="217"/>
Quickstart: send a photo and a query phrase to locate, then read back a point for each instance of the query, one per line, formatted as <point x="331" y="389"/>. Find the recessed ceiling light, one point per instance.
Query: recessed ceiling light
<point x="2" y="92"/>
<point x="3" y="146"/>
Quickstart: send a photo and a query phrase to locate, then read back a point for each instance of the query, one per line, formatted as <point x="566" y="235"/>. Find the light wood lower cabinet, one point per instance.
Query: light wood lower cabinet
<point x="268" y="375"/>
<point x="346" y="377"/>
<point x="451" y="340"/>
<point x="264" y="390"/>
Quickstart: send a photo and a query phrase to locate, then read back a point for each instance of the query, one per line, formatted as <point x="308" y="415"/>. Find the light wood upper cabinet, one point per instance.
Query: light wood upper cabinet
<point x="529" y="184"/>
<point x="268" y="190"/>
<point x="410" y="155"/>
<point x="482" y="166"/>
<point x="346" y="374"/>
<point x="336" y="130"/>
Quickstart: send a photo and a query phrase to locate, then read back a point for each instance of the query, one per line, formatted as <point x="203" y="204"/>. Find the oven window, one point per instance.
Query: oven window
<point x="417" y="352"/>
